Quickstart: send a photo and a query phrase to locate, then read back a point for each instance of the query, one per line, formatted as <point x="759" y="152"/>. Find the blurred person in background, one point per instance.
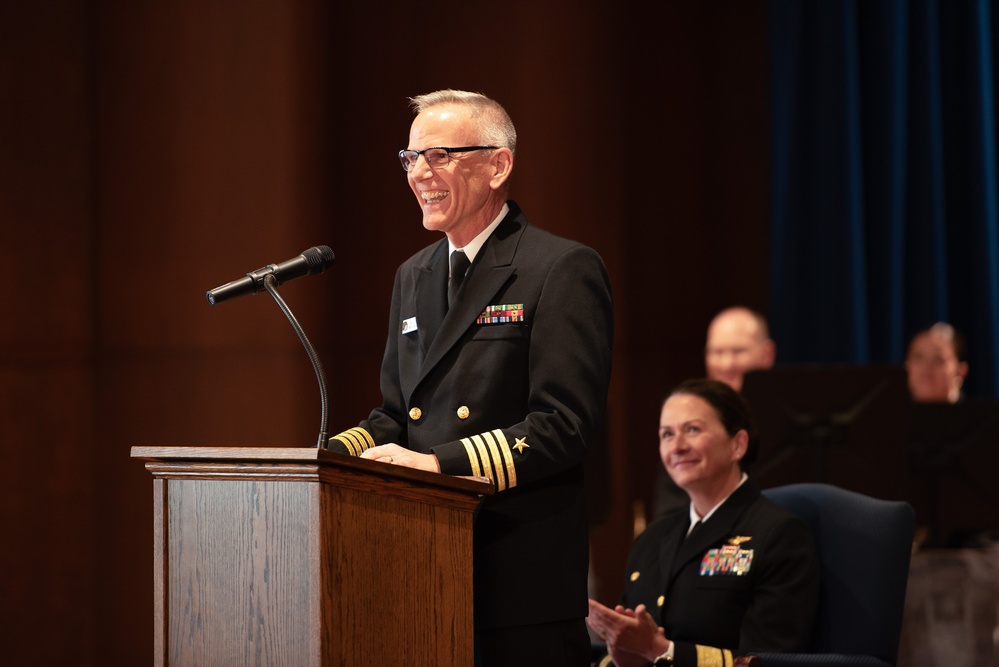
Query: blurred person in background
<point x="937" y="364"/>
<point x="738" y="342"/>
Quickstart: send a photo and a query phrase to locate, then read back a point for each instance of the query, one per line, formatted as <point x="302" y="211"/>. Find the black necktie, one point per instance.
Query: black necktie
<point x="459" y="265"/>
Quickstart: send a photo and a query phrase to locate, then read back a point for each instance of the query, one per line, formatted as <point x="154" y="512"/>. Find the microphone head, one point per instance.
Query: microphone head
<point x="318" y="258"/>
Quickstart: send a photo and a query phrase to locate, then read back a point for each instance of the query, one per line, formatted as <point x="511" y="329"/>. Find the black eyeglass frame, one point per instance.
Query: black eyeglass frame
<point x="407" y="164"/>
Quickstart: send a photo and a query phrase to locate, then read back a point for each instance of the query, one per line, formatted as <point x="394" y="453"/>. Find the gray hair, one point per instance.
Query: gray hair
<point x="493" y="121"/>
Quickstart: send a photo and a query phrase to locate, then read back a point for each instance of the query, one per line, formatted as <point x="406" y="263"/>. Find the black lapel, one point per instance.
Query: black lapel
<point x="668" y="549"/>
<point x="716" y="529"/>
<point x="491" y="269"/>
<point x="431" y="295"/>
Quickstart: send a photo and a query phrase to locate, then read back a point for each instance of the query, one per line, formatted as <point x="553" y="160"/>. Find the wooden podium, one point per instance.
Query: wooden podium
<point x="302" y="557"/>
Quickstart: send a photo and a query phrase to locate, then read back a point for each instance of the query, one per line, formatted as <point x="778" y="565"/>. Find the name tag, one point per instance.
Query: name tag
<point x="409" y="325"/>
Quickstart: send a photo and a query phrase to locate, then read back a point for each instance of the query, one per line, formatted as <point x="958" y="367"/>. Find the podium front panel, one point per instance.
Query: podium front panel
<point x="305" y="558"/>
<point x="242" y="588"/>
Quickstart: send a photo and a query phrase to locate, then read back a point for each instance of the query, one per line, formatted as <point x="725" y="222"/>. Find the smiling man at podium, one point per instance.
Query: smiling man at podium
<point x="497" y="365"/>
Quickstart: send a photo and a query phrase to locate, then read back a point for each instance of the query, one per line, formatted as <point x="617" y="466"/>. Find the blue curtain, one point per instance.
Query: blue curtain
<point x="885" y="216"/>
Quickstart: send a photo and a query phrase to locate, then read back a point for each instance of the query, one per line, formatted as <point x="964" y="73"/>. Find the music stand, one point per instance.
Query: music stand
<point x="840" y="425"/>
<point x="954" y="451"/>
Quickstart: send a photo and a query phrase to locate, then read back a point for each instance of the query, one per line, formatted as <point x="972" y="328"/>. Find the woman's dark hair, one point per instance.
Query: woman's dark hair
<point x="731" y="408"/>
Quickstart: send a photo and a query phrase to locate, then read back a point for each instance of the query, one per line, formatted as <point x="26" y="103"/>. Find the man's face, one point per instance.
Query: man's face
<point x="454" y="198"/>
<point x="735" y="347"/>
<point x="934" y="371"/>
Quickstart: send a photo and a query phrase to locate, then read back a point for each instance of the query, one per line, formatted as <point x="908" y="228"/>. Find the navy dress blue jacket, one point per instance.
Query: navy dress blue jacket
<point x="511" y="384"/>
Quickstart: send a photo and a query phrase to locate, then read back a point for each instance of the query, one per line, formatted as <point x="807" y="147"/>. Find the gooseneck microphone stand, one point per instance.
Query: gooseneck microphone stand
<point x="270" y="284"/>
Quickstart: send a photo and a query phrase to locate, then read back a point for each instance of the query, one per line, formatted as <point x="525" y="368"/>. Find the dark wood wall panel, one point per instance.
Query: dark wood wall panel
<point x="46" y="376"/>
<point x="697" y="198"/>
<point x="47" y="513"/>
<point x="150" y="151"/>
<point x="207" y="117"/>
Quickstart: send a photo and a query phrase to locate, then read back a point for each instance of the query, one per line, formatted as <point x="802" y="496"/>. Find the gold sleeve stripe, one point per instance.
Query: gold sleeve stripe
<point x="504" y="448"/>
<point x="492" y="451"/>
<point x="489" y="456"/>
<point x="486" y="461"/>
<point x="606" y="662"/>
<point x="356" y="440"/>
<point x="356" y="446"/>
<point x="473" y="459"/>
<point x="503" y="480"/>
<point x="366" y="435"/>
<point x="348" y="442"/>
<point x="709" y="656"/>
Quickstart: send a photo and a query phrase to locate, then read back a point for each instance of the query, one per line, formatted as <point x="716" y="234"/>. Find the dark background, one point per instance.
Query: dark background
<point x="152" y="150"/>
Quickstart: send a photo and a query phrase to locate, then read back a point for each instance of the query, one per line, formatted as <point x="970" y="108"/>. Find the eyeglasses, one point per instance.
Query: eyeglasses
<point x="436" y="156"/>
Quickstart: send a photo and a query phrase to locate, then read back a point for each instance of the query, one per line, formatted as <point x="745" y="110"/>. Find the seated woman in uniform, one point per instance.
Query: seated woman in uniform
<point x="733" y="573"/>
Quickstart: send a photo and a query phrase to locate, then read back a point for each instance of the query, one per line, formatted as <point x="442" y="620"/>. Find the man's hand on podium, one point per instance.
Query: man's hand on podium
<point x="400" y="456"/>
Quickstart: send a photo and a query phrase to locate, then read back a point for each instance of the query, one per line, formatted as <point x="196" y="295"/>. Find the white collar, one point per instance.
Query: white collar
<point x="694" y="518"/>
<point x="472" y="247"/>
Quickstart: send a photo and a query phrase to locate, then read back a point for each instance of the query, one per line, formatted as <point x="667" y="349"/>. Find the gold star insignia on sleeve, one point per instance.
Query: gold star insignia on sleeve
<point x="520" y="446"/>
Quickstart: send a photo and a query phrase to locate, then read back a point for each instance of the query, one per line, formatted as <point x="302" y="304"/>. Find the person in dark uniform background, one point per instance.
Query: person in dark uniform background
<point x="936" y="364"/>
<point x="738" y="341"/>
<point x="732" y="573"/>
<point x="497" y="364"/>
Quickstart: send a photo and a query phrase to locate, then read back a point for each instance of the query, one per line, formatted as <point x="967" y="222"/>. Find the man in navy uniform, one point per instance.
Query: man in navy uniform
<point x="497" y="365"/>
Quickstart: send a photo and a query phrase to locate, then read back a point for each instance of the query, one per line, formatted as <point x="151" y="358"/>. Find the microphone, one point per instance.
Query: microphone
<point x="314" y="260"/>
